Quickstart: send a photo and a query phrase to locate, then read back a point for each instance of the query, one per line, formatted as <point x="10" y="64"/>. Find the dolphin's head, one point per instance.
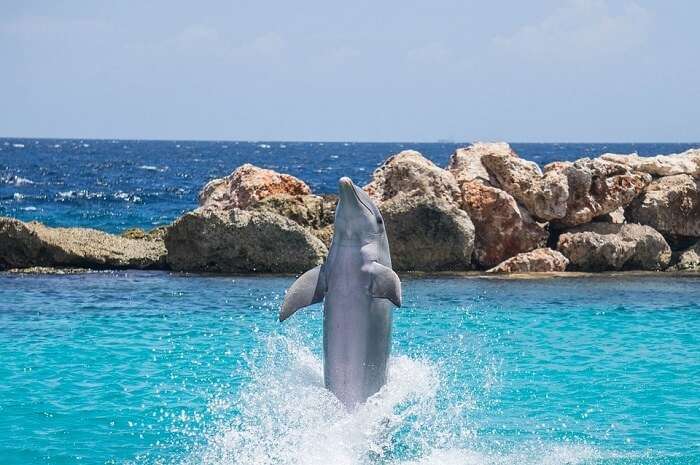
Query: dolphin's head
<point x="357" y="219"/>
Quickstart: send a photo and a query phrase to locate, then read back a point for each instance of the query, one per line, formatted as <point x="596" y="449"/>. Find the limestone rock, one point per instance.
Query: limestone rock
<point x="670" y="205"/>
<point x="427" y="234"/>
<point x="607" y="246"/>
<point x="688" y="259"/>
<point x="536" y="261"/>
<point x="241" y="241"/>
<point x="248" y="185"/>
<point x="310" y="211"/>
<point x="503" y="228"/>
<point x="412" y="174"/>
<point x="544" y="195"/>
<point x="615" y="216"/>
<point x="465" y="163"/>
<point x="687" y="162"/>
<point x="24" y="245"/>
<point x="596" y="187"/>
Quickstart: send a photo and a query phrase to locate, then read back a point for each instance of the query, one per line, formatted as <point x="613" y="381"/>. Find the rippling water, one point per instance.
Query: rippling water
<point x="118" y="184"/>
<point x="154" y="368"/>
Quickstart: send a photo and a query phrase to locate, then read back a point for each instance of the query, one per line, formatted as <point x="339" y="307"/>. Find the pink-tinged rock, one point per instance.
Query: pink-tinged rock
<point x="687" y="162"/>
<point x="596" y="187"/>
<point x="248" y="185"/>
<point x="466" y="163"/>
<point x="544" y="195"/>
<point x="670" y="205"/>
<point x="607" y="246"/>
<point x="503" y="229"/>
<point x="536" y="261"/>
<point x="412" y="174"/>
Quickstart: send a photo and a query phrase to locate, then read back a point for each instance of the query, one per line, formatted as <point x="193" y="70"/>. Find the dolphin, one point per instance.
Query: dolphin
<point x="357" y="287"/>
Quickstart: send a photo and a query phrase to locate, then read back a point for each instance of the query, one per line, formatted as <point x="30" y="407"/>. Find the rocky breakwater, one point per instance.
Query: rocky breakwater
<point x="488" y="209"/>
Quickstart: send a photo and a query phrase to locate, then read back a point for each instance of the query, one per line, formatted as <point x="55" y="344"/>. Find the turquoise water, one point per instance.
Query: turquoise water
<point x="154" y="368"/>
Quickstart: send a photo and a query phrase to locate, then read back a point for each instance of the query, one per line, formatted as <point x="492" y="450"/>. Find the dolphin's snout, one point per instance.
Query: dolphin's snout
<point x="345" y="182"/>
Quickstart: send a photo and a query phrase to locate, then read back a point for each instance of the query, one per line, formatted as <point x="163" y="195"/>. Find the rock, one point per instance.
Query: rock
<point x="155" y="234"/>
<point x="239" y="241"/>
<point x="566" y="193"/>
<point x="688" y="259"/>
<point x="410" y="173"/>
<point x="465" y="163"/>
<point x="596" y="187"/>
<point x="544" y="195"/>
<point x="310" y="211"/>
<point x="503" y="228"/>
<point x="24" y="245"/>
<point x="50" y="270"/>
<point x="248" y="185"/>
<point x="670" y="205"/>
<point x="606" y="246"/>
<point x="420" y="205"/>
<point x="427" y="234"/>
<point x="616" y="217"/>
<point x="536" y="261"/>
<point x="687" y="162"/>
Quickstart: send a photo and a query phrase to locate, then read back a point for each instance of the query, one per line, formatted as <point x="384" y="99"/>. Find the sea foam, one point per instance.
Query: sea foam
<point x="284" y="415"/>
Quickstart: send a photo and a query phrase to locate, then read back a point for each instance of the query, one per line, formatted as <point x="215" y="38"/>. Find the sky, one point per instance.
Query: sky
<point x="535" y="71"/>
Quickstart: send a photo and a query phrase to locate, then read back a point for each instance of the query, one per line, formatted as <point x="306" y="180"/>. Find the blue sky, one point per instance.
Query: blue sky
<point x="568" y="70"/>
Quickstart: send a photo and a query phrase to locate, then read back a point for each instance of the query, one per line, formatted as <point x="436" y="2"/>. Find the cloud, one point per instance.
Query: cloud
<point x="580" y="30"/>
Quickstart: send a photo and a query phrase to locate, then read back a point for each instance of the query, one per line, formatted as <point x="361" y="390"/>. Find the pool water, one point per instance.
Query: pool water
<point x="160" y="368"/>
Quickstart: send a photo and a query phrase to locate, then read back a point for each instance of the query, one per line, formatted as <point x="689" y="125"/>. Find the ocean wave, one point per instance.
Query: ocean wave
<point x="153" y="168"/>
<point x="79" y="194"/>
<point x="16" y="181"/>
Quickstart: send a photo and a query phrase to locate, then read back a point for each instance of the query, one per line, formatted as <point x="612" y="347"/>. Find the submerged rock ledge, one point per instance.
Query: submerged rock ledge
<point x="488" y="209"/>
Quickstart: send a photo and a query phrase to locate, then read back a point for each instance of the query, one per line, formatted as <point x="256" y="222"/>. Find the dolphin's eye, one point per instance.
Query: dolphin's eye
<point x="380" y="220"/>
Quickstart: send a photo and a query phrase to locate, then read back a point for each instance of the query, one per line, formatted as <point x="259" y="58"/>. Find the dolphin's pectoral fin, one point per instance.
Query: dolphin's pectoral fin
<point x="308" y="289"/>
<point x="385" y="283"/>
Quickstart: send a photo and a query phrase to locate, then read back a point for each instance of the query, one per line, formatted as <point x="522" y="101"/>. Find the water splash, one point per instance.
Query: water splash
<point x="284" y="415"/>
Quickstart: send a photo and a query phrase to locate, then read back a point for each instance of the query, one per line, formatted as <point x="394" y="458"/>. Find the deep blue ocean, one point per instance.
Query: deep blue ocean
<point x="117" y="184"/>
<point x="158" y="368"/>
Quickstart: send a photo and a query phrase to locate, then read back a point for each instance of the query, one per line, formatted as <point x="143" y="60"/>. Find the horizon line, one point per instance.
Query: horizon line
<point x="302" y="141"/>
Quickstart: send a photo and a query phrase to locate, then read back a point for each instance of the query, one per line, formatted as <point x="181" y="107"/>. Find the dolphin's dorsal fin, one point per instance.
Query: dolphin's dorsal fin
<point x="309" y="289"/>
<point x="385" y="283"/>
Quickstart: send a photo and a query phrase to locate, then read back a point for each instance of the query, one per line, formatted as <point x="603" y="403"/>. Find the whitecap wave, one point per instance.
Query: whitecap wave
<point x="17" y="181"/>
<point x="79" y="194"/>
<point x="153" y="168"/>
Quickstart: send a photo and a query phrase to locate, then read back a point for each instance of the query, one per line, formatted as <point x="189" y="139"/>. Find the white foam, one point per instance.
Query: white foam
<point x="18" y="146"/>
<point x="264" y="146"/>
<point x="17" y="181"/>
<point x="153" y="168"/>
<point x="286" y="416"/>
<point x="283" y="415"/>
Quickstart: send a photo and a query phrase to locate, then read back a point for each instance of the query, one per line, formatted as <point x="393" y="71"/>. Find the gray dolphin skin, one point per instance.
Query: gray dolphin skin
<point x="358" y="288"/>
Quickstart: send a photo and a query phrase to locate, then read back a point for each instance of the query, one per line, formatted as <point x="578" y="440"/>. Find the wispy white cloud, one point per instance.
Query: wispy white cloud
<point x="580" y="30"/>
